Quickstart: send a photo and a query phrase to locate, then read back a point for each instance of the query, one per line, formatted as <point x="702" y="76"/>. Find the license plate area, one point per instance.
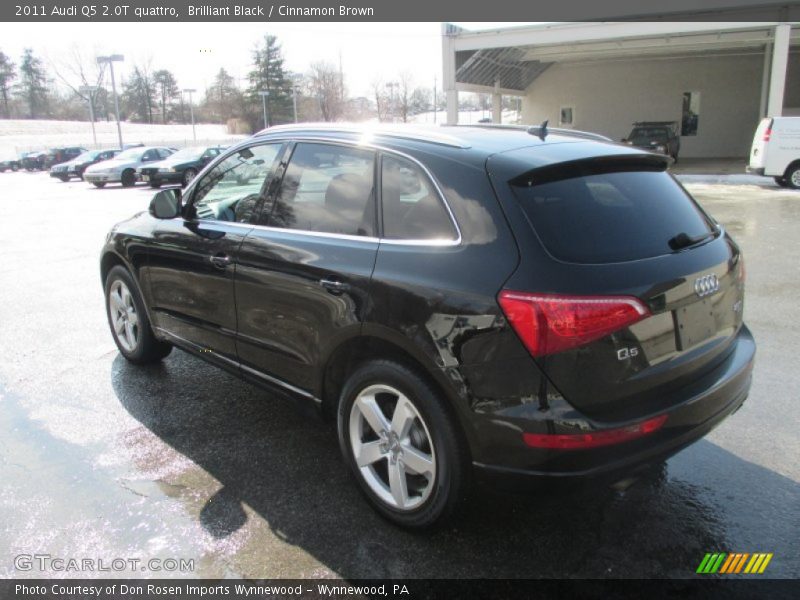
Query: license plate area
<point x="694" y="323"/>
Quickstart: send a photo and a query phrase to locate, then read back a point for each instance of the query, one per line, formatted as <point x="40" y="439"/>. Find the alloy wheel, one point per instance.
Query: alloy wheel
<point x="392" y="447"/>
<point x="124" y="318"/>
<point x="794" y="178"/>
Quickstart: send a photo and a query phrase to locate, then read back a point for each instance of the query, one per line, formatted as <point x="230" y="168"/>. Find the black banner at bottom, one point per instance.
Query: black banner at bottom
<point x="396" y="589"/>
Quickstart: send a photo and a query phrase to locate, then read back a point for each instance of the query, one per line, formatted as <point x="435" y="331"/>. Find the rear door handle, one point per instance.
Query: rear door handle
<point x="334" y="287"/>
<point x="220" y="260"/>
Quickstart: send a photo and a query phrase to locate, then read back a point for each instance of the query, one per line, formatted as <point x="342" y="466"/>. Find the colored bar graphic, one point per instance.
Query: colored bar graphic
<point x="723" y="563"/>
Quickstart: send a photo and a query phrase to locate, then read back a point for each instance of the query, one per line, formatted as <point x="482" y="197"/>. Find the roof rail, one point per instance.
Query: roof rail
<point x="537" y="130"/>
<point x="432" y="135"/>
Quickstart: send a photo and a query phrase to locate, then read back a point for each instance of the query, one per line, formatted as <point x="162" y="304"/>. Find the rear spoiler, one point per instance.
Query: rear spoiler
<point x="593" y="165"/>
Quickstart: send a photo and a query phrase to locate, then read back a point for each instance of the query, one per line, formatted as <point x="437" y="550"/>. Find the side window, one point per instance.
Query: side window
<point x="163" y="153"/>
<point x="231" y="190"/>
<point x="149" y="155"/>
<point x="327" y="188"/>
<point x="412" y="208"/>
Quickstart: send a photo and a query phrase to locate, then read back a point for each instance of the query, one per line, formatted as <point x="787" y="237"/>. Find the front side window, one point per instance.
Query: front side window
<point x="412" y="209"/>
<point x="327" y="188"/>
<point x="231" y="190"/>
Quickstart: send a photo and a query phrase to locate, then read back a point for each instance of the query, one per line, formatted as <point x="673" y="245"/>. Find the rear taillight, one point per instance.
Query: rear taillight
<point x="549" y="323"/>
<point x="603" y="437"/>
<point x="767" y="134"/>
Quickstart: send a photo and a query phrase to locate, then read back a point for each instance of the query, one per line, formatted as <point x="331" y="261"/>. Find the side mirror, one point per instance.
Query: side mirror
<point x="166" y="204"/>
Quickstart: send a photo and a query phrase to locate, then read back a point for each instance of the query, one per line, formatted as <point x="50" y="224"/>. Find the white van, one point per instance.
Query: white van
<point x="776" y="150"/>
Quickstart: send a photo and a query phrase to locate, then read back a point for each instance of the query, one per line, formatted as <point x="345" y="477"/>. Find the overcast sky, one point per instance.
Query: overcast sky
<point x="194" y="52"/>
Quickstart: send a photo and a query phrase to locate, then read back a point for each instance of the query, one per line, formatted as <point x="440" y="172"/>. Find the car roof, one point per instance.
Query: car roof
<point x="482" y="139"/>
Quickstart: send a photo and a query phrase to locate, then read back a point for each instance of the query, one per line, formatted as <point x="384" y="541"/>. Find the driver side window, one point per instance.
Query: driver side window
<point x="231" y="190"/>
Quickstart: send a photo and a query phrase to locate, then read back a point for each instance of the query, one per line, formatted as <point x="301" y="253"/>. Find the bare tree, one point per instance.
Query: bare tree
<point x="78" y="72"/>
<point x="404" y="91"/>
<point x="325" y="83"/>
<point x="7" y="73"/>
<point x="379" y="96"/>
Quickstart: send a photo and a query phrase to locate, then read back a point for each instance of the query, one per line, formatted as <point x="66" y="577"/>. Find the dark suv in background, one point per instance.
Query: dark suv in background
<point x="656" y="136"/>
<point x="514" y="303"/>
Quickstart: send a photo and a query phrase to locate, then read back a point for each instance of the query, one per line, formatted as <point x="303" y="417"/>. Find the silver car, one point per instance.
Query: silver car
<point x="122" y="168"/>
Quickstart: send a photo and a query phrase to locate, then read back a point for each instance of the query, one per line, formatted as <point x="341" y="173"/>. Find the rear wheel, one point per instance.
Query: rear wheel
<point x="127" y="318"/>
<point x="792" y="176"/>
<point x="128" y="178"/>
<point x="188" y="175"/>
<point x="99" y="184"/>
<point x="402" y="445"/>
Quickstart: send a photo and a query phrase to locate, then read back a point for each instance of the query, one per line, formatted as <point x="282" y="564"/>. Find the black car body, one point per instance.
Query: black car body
<point x="656" y="136"/>
<point x="75" y="167"/>
<point x="56" y="156"/>
<point x="181" y="167"/>
<point x="35" y="160"/>
<point x="536" y="305"/>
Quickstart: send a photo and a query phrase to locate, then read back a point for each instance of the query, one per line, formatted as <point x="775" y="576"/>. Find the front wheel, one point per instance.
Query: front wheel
<point x="127" y="318"/>
<point x="63" y="178"/>
<point x="402" y="445"/>
<point x="188" y="175"/>
<point x="128" y="178"/>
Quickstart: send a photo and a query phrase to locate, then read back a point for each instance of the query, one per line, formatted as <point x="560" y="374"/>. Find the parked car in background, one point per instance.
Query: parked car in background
<point x="35" y="160"/>
<point x="656" y="136"/>
<point x="57" y="156"/>
<point x="506" y="303"/>
<point x="75" y="167"/>
<point x="776" y="151"/>
<point x="122" y="168"/>
<point x="180" y="167"/>
<point x="10" y="164"/>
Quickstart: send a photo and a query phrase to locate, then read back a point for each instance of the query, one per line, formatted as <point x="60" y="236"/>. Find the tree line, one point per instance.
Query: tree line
<point x="63" y="89"/>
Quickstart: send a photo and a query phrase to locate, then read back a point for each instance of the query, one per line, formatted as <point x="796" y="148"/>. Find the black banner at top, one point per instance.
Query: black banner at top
<point x="394" y="10"/>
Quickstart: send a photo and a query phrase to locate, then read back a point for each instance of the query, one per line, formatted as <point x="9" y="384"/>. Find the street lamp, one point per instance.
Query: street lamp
<point x="264" y="95"/>
<point x="392" y="85"/>
<point x="191" y="91"/>
<point x="90" y="90"/>
<point x="296" y="80"/>
<point x="110" y="60"/>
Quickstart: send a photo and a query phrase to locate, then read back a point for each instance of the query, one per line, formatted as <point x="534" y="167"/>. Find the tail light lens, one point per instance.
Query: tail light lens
<point x="603" y="437"/>
<point x="549" y="323"/>
<point x="767" y="134"/>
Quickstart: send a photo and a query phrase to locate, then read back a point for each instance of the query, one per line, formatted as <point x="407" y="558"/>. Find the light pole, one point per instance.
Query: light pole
<point x="90" y="90"/>
<point x="392" y="85"/>
<point x="191" y="91"/>
<point x="264" y="95"/>
<point x="110" y="60"/>
<point x="296" y="79"/>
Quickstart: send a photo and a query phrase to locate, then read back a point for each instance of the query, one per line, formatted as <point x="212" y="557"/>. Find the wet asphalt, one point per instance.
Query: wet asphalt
<point x="102" y="459"/>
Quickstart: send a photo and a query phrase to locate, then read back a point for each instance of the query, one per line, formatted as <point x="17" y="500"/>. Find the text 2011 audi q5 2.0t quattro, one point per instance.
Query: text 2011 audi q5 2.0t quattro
<point x="465" y="300"/>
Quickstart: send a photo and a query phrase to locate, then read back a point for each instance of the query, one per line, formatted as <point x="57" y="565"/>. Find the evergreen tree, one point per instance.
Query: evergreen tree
<point x="269" y="75"/>
<point x="166" y="87"/>
<point x="223" y="99"/>
<point x="7" y="75"/>
<point x="138" y="93"/>
<point x="33" y="84"/>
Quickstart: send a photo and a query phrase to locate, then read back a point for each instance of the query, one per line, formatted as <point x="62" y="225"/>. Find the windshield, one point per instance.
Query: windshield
<point x="90" y="155"/>
<point x="645" y="135"/>
<point x="131" y="154"/>
<point x="188" y="154"/>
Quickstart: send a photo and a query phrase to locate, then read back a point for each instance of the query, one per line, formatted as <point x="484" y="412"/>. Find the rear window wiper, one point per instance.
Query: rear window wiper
<point x="684" y="240"/>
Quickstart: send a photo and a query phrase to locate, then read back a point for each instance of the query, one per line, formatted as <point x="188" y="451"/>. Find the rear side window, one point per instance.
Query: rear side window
<point x="329" y="189"/>
<point x="412" y="209"/>
<point x="610" y="216"/>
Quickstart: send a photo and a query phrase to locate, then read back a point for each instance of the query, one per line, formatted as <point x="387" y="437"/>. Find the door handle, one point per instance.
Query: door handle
<point x="334" y="287"/>
<point x="220" y="260"/>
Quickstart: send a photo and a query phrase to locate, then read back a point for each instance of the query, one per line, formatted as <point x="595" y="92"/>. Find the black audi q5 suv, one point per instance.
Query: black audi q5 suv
<point x="460" y="301"/>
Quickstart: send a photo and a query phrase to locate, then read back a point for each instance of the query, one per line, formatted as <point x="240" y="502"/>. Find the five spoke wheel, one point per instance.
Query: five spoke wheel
<point x="392" y="447"/>
<point x="124" y="318"/>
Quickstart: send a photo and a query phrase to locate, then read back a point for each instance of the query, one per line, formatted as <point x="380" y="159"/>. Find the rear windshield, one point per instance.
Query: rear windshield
<point x="610" y="216"/>
<point x="643" y="135"/>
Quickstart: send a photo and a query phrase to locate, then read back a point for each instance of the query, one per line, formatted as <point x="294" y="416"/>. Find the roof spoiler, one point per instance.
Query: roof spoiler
<point x="541" y="130"/>
<point x="593" y="165"/>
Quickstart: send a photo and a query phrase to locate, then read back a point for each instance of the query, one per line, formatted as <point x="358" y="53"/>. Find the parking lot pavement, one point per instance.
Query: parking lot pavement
<point x="102" y="459"/>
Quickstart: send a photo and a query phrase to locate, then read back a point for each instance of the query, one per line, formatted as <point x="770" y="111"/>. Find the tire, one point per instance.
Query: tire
<point x="128" y="178"/>
<point x="792" y="176"/>
<point x="99" y="184"/>
<point x="406" y="495"/>
<point x="781" y="181"/>
<point x="63" y="178"/>
<point x="188" y="175"/>
<point x="127" y="318"/>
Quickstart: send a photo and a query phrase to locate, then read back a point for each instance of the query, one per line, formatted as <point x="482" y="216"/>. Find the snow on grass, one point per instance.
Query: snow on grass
<point x="22" y="135"/>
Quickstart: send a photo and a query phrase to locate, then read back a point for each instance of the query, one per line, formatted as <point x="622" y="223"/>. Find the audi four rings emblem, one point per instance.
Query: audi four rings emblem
<point x="706" y="285"/>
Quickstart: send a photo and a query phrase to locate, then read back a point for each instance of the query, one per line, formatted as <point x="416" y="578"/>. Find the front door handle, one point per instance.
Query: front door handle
<point x="334" y="287"/>
<point x="220" y="260"/>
